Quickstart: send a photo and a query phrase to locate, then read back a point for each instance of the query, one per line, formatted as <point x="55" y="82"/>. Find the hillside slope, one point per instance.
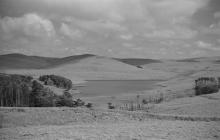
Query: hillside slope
<point x="20" y="61"/>
<point x="78" y="67"/>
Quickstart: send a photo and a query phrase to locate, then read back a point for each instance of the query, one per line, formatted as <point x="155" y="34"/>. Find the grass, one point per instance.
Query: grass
<point x="62" y="116"/>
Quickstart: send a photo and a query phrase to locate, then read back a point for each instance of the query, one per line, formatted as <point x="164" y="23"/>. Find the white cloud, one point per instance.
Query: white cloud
<point x="208" y="46"/>
<point x="119" y="9"/>
<point x="98" y="26"/>
<point x="202" y="44"/>
<point x="132" y="13"/>
<point x="197" y="53"/>
<point x="160" y="34"/>
<point x="128" y="45"/>
<point x="176" y="8"/>
<point x="173" y="33"/>
<point x="217" y="14"/>
<point x="71" y="33"/>
<point x="28" y="25"/>
<point x="126" y="36"/>
<point x="156" y="18"/>
<point x="212" y="29"/>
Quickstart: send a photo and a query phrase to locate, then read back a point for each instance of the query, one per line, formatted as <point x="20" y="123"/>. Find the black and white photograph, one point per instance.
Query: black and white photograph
<point x="109" y="69"/>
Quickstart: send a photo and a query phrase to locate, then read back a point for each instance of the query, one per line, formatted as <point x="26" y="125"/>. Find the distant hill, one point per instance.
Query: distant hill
<point x="85" y="67"/>
<point x="213" y="59"/>
<point x="188" y="60"/>
<point x="20" y="61"/>
<point x="138" y="61"/>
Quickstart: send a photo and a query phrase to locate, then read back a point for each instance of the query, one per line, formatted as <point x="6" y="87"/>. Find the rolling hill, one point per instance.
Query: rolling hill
<point x="93" y="67"/>
<point x="20" y="61"/>
<point x="86" y="66"/>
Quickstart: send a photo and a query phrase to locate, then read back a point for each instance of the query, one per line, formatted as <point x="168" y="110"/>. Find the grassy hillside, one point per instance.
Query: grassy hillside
<point x="20" y="61"/>
<point x="78" y="67"/>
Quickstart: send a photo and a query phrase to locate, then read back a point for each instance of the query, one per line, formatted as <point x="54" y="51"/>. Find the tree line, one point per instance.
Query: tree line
<point x="25" y="91"/>
<point x="56" y="80"/>
<point x="15" y="90"/>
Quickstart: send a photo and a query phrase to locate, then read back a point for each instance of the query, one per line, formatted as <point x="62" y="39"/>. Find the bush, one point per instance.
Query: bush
<point x="144" y="101"/>
<point x="63" y="101"/>
<point x="159" y="99"/>
<point x="155" y="99"/>
<point x="67" y="100"/>
<point x="206" y="85"/>
<point x="110" y="106"/>
<point x="79" y="102"/>
<point x="89" y="105"/>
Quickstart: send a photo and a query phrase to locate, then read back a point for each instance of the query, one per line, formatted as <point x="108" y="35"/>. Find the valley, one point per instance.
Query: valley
<point x="167" y="86"/>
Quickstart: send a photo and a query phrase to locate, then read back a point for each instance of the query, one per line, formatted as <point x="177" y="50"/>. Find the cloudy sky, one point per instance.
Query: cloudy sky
<point x="117" y="28"/>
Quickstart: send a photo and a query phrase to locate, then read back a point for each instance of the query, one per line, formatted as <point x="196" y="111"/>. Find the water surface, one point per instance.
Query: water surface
<point x="115" y="87"/>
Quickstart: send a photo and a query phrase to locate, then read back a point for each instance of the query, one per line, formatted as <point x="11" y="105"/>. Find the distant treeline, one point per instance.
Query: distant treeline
<point x="21" y="91"/>
<point x="207" y="85"/>
<point x="15" y="90"/>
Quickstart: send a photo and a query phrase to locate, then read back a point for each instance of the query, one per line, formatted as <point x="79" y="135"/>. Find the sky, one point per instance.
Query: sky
<point x="159" y="29"/>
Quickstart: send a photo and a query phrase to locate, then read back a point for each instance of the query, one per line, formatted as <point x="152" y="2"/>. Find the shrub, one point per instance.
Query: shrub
<point x="79" y="102"/>
<point x="159" y="99"/>
<point x="110" y="106"/>
<point x="155" y="100"/>
<point x="206" y="85"/>
<point x="1" y="120"/>
<point x="89" y="105"/>
<point x="63" y="101"/>
<point x="67" y="94"/>
<point x="67" y="100"/>
<point x="144" y="101"/>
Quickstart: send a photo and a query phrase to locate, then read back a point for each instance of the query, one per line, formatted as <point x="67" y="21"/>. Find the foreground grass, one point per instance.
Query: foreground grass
<point x="26" y="123"/>
<point x="13" y="117"/>
<point x="84" y="124"/>
<point x="149" y="130"/>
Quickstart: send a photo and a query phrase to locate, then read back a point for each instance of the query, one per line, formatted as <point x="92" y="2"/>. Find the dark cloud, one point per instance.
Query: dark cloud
<point x="214" y="5"/>
<point x="205" y="15"/>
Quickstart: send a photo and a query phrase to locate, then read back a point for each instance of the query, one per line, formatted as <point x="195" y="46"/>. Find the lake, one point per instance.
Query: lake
<point x="115" y="87"/>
